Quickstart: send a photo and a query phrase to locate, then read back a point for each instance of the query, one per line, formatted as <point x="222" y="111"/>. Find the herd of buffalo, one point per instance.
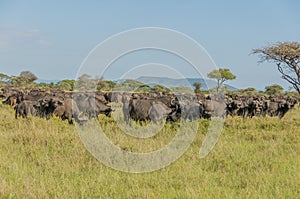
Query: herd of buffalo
<point x="154" y="107"/>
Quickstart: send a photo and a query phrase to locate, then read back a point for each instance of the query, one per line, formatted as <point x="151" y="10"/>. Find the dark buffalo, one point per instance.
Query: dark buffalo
<point x="147" y="109"/>
<point x="69" y="110"/>
<point x="91" y="105"/>
<point x="26" y="108"/>
<point x="47" y="106"/>
<point x="158" y="111"/>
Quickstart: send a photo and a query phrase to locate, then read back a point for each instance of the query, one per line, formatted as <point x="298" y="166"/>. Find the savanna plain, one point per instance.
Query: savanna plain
<point x="255" y="157"/>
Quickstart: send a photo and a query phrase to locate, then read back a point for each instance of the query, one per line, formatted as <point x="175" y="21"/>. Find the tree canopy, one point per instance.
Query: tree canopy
<point x="4" y="79"/>
<point x="66" y="85"/>
<point x="286" y="55"/>
<point x="160" y="88"/>
<point x="197" y="86"/>
<point x="221" y="75"/>
<point x="274" y="89"/>
<point x="28" y="76"/>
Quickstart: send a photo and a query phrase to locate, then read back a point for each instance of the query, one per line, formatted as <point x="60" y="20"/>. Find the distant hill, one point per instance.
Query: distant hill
<point x="169" y="82"/>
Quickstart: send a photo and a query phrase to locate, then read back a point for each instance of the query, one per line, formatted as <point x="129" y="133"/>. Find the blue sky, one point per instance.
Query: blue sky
<point x="52" y="38"/>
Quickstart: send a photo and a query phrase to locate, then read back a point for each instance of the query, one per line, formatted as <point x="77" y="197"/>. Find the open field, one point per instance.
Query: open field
<point x="254" y="158"/>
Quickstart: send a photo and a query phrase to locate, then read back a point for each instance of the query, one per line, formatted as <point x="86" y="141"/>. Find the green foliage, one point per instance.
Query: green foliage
<point x="182" y="90"/>
<point x="129" y="85"/>
<point x="250" y="89"/>
<point x="221" y="75"/>
<point x="274" y="89"/>
<point x="197" y="86"/>
<point x="28" y="76"/>
<point x="4" y="78"/>
<point x="17" y="81"/>
<point x="25" y="79"/>
<point x="105" y="85"/>
<point x="65" y="85"/>
<point x="247" y="91"/>
<point x="43" y="85"/>
<point x="51" y="85"/>
<point x="143" y="89"/>
<point x="160" y="88"/>
<point x="85" y="83"/>
<point x="292" y="94"/>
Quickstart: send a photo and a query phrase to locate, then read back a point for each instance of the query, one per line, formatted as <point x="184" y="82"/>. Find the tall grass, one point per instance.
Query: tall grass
<point x="254" y="158"/>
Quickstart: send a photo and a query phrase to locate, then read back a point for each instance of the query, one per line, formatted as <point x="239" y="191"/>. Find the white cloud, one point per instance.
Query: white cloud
<point x="12" y="38"/>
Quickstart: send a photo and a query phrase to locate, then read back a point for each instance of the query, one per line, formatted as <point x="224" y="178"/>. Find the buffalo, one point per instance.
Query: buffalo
<point x="152" y="106"/>
<point x="147" y="109"/>
<point x="26" y="108"/>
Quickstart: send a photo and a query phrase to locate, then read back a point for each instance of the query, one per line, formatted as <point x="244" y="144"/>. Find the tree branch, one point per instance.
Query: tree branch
<point x="288" y="78"/>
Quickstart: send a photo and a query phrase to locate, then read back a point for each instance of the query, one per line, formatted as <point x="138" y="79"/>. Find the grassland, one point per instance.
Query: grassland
<point x="254" y="158"/>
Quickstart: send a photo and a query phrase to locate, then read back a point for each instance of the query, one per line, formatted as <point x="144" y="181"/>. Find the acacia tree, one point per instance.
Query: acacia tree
<point x="197" y="86"/>
<point x="28" y="76"/>
<point x="274" y="89"/>
<point x="221" y="75"/>
<point x="286" y="55"/>
<point x="85" y="83"/>
<point x="4" y="79"/>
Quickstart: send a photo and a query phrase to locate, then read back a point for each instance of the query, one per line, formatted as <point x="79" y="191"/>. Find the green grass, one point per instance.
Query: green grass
<point x="254" y="158"/>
